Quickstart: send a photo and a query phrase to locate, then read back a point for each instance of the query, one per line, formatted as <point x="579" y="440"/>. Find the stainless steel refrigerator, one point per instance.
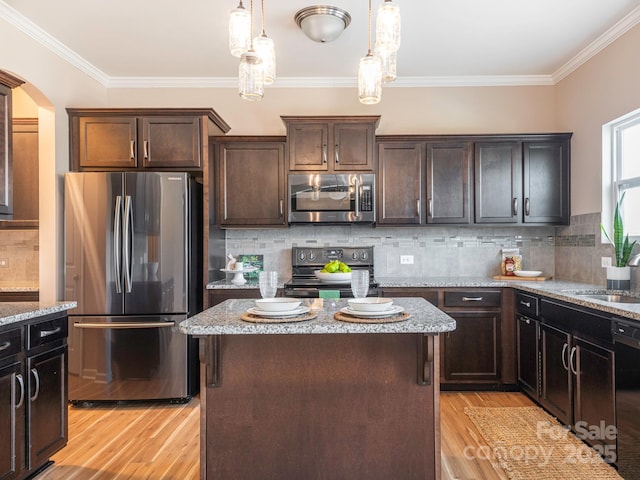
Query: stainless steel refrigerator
<point x="133" y="256"/>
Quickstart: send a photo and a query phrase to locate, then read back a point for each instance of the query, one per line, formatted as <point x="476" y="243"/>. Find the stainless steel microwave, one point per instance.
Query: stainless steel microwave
<point x="332" y="198"/>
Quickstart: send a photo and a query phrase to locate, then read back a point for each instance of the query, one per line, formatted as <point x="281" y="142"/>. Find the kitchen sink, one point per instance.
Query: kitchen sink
<point x="611" y="298"/>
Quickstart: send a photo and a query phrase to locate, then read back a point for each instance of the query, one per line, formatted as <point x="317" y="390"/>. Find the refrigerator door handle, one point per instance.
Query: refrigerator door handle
<point x="105" y="326"/>
<point x="117" y="258"/>
<point x="128" y="247"/>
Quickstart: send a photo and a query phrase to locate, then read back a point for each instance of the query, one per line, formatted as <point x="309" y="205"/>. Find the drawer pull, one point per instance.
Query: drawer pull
<point x="526" y="304"/>
<point x="4" y="346"/>
<point x="46" y="333"/>
<point x="472" y="299"/>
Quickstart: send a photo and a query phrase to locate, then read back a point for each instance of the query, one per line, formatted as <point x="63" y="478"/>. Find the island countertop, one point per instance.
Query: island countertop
<point x="224" y="319"/>
<point x="14" y="312"/>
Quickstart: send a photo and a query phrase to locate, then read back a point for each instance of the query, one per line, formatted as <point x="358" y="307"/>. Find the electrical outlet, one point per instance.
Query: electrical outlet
<point x="605" y="261"/>
<point x="4" y="263"/>
<point x="406" y="259"/>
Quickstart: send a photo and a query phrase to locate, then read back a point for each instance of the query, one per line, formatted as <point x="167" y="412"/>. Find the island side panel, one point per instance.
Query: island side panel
<point x="320" y="406"/>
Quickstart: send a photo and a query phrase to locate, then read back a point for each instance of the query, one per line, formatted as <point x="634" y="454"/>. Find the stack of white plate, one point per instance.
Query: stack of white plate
<point x="371" y="307"/>
<point x="278" y="307"/>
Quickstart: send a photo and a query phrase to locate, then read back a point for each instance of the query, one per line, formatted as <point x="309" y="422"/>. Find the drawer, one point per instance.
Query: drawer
<point x="10" y="342"/>
<point x="48" y="331"/>
<point x="473" y="298"/>
<point x="527" y="305"/>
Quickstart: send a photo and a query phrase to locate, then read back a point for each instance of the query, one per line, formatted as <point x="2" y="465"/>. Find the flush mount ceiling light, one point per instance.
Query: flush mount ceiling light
<point x="322" y="23"/>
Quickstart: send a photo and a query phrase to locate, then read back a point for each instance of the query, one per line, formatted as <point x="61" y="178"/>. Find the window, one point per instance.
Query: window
<point x="625" y="175"/>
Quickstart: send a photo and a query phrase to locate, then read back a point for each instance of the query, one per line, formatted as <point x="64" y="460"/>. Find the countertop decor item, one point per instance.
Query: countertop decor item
<point x="619" y="275"/>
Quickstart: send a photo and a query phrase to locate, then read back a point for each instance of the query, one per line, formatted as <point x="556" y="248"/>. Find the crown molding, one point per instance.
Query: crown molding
<point x="607" y="38"/>
<point x="25" y="25"/>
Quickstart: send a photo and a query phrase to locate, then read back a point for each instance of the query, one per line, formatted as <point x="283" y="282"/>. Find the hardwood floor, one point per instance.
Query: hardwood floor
<point x="161" y="442"/>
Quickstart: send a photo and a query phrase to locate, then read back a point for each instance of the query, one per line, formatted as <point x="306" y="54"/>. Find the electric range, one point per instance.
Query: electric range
<point x="306" y="260"/>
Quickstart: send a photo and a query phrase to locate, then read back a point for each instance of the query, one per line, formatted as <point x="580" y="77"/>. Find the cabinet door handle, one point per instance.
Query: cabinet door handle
<point x="132" y="150"/>
<point x="472" y="299"/>
<point x="21" y="383"/>
<point x="574" y="369"/>
<point x="36" y="377"/>
<point x="281" y="208"/>
<point x="324" y="153"/>
<point x="146" y="149"/>
<point x="430" y="208"/>
<point x="526" y="206"/>
<point x="5" y="345"/>
<point x="564" y="363"/>
<point x="526" y="304"/>
<point x="418" y="207"/>
<point x="515" y="207"/>
<point x="527" y="321"/>
<point x="337" y="154"/>
<point x="46" y="333"/>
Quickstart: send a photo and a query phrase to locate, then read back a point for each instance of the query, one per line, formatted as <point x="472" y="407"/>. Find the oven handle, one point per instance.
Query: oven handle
<point x="357" y="197"/>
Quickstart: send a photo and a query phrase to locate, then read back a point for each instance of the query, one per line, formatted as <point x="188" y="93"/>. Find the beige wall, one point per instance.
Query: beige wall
<point x="402" y="110"/>
<point x="603" y="89"/>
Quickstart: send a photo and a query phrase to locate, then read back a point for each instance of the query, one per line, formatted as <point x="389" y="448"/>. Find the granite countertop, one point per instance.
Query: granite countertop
<point x="18" y="286"/>
<point x="564" y="290"/>
<point x="224" y="319"/>
<point x="14" y="312"/>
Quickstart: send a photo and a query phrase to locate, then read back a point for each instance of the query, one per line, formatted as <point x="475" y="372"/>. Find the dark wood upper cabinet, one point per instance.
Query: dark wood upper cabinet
<point x="7" y="83"/>
<point x="400" y="183"/>
<point x="523" y="181"/>
<point x="448" y="175"/>
<point x="25" y="169"/>
<point x="331" y="143"/>
<point x="498" y="182"/>
<point x="122" y="139"/>
<point x="545" y="180"/>
<point x="250" y="184"/>
<point x="423" y="182"/>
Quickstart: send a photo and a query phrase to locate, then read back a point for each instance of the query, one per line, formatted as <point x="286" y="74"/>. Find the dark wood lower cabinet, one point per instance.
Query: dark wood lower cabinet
<point x="557" y="390"/>
<point x="471" y="353"/>
<point x="528" y="356"/>
<point x="33" y="395"/>
<point x="319" y="407"/>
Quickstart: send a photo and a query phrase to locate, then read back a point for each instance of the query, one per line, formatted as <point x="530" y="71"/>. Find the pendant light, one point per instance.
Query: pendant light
<point x="250" y="72"/>
<point x="388" y="61"/>
<point x="239" y="30"/>
<point x="388" y="26"/>
<point x="370" y="74"/>
<point x="264" y="47"/>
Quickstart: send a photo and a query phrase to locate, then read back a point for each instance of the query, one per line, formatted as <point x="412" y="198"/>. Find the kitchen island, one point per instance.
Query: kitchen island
<point x="320" y="398"/>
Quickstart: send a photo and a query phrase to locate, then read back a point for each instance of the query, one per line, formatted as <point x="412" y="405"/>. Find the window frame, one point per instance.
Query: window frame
<point x="613" y="185"/>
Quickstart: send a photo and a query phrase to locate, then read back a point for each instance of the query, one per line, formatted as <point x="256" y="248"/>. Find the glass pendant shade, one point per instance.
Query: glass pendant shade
<point x="388" y="26"/>
<point x="388" y="61"/>
<point x="264" y="47"/>
<point x="370" y="79"/>
<point x="239" y="31"/>
<point x="251" y="77"/>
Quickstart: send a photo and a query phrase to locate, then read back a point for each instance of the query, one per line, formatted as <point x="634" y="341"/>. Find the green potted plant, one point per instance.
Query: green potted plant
<point x="619" y="276"/>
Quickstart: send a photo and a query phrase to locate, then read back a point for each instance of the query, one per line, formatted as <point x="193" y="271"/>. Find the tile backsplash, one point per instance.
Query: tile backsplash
<point x="437" y="251"/>
<point x="19" y="250"/>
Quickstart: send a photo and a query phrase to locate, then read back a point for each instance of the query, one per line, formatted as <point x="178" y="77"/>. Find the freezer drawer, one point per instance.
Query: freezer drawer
<point x="128" y="358"/>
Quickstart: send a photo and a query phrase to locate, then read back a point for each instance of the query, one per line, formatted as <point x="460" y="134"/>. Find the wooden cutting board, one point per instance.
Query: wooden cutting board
<point x="541" y="278"/>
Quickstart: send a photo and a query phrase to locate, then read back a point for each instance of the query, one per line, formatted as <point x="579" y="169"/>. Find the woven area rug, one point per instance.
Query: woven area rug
<point x="529" y="444"/>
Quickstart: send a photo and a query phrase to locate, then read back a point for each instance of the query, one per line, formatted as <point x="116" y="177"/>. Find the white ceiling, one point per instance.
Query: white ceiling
<point x="147" y="42"/>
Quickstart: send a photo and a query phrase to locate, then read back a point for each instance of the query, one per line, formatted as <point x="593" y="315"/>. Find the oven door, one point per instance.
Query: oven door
<point x="331" y="198"/>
